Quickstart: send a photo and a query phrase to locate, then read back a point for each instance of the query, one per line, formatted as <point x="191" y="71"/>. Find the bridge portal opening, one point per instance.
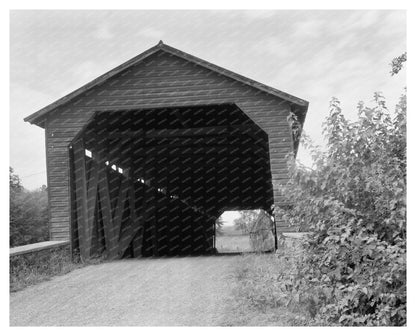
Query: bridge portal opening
<point x="152" y="182"/>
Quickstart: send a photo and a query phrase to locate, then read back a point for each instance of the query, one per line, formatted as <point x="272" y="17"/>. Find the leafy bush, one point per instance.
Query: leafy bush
<point x="353" y="269"/>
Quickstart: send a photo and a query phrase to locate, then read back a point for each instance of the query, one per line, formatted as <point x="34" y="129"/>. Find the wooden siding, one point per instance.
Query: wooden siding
<point x="159" y="81"/>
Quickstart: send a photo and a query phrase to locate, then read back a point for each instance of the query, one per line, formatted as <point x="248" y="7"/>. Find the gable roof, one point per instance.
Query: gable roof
<point x="36" y="118"/>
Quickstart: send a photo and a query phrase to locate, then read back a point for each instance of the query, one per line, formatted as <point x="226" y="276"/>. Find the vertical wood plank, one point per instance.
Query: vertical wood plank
<point x="118" y="214"/>
<point x="127" y="230"/>
<point x="81" y="195"/>
<point x="91" y="204"/>
<point x="135" y="230"/>
<point x="73" y="205"/>
<point x="163" y="204"/>
<point x="151" y="204"/>
<point x="105" y="200"/>
<point x="139" y="225"/>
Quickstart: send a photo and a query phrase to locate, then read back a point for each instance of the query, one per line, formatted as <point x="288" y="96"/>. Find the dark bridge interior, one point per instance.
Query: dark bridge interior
<point x="152" y="182"/>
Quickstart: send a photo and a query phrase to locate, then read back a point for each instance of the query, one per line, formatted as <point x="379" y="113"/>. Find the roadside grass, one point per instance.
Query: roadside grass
<point x="259" y="296"/>
<point x="33" y="268"/>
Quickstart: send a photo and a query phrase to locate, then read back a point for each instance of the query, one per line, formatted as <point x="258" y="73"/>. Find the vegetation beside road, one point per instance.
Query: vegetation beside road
<point x="351" y="269"/>
<point x="39" y="266"/>
<point x="260" y="298"/>
<point x="32" y="268"/>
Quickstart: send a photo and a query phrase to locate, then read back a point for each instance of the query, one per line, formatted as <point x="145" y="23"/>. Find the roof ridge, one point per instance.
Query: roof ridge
<point x="179" y="53"/>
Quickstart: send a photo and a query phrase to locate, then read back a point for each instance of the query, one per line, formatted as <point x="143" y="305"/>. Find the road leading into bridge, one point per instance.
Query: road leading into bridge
<point x="188" y="291"/>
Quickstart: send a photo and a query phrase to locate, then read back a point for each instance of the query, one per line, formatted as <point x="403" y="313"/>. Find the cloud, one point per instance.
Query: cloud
<point x="151" y="33"/>
<point x="272" y="45"/>
<point x="308" y="29"/>
<point x="258" y="14"/>
<point x="365" y="19"/>
<point x="25" y="100"/>
<point x="103" y="33"/>
<point x="83" y="73"/>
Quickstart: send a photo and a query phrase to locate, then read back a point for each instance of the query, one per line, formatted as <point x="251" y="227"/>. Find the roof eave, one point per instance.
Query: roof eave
<point x="35" y="118"/>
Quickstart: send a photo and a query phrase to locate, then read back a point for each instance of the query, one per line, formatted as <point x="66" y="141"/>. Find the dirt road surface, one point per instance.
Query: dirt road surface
<point x="188" y="291"/>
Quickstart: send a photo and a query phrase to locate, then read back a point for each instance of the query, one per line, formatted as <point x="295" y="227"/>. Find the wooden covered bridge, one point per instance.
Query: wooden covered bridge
<point x="142" y="160"/>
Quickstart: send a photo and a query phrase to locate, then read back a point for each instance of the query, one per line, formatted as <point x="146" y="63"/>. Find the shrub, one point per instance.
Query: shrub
<point x="353" y="271"/>
<point x="260" y="290"/>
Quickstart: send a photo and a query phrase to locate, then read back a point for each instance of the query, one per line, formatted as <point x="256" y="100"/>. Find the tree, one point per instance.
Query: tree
<point x="28" y="213"/>
<point x="261" y="235"/>
<point x="246" y="220"/>
<point x="14" y="181"/>
<point x="258" y="224"/>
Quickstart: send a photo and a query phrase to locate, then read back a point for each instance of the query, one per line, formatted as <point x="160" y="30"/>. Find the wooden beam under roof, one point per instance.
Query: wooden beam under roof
<point x="187" y="132"/>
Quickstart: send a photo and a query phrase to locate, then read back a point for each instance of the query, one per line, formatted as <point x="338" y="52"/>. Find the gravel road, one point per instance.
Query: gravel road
<point x="188" y="291"/>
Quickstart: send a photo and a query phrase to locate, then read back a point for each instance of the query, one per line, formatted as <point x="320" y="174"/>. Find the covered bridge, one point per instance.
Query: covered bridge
<point x="142" y="160"/>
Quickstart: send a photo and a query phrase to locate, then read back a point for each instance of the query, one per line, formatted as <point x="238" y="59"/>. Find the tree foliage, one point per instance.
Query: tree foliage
<point x="258" y="224"/>
<point x="28" y="213"/>
<point x="353" y="268"/>
<point x="246" y="220"/>
<point x="14" y="182"/>
<point x="397" y="64"/>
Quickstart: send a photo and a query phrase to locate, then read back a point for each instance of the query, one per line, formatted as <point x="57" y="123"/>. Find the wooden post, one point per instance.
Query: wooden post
<point x="91" y="204"/>
<point x="170" y="211"/>
<point x="105" y="205"/>
<point x="197" y="180"/>
<point x="128" y="231"/>
<point x="210" y="187"/>
<point x="153" y="205"/>
<point x="275" y="232"/>
<point x="173" y="206"/>
<point x="118" y="215"/>
<point x="75" y="244"/>
<point x="136" y="232"/>
<point x="139" y="224"/>
<point x="149" y="195"/>
<point x="81" y="195"/>
<point x="162" y="217"/>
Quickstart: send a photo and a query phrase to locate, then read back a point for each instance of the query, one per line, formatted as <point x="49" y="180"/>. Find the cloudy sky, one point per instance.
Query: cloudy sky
<point x="311" y="54"/>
